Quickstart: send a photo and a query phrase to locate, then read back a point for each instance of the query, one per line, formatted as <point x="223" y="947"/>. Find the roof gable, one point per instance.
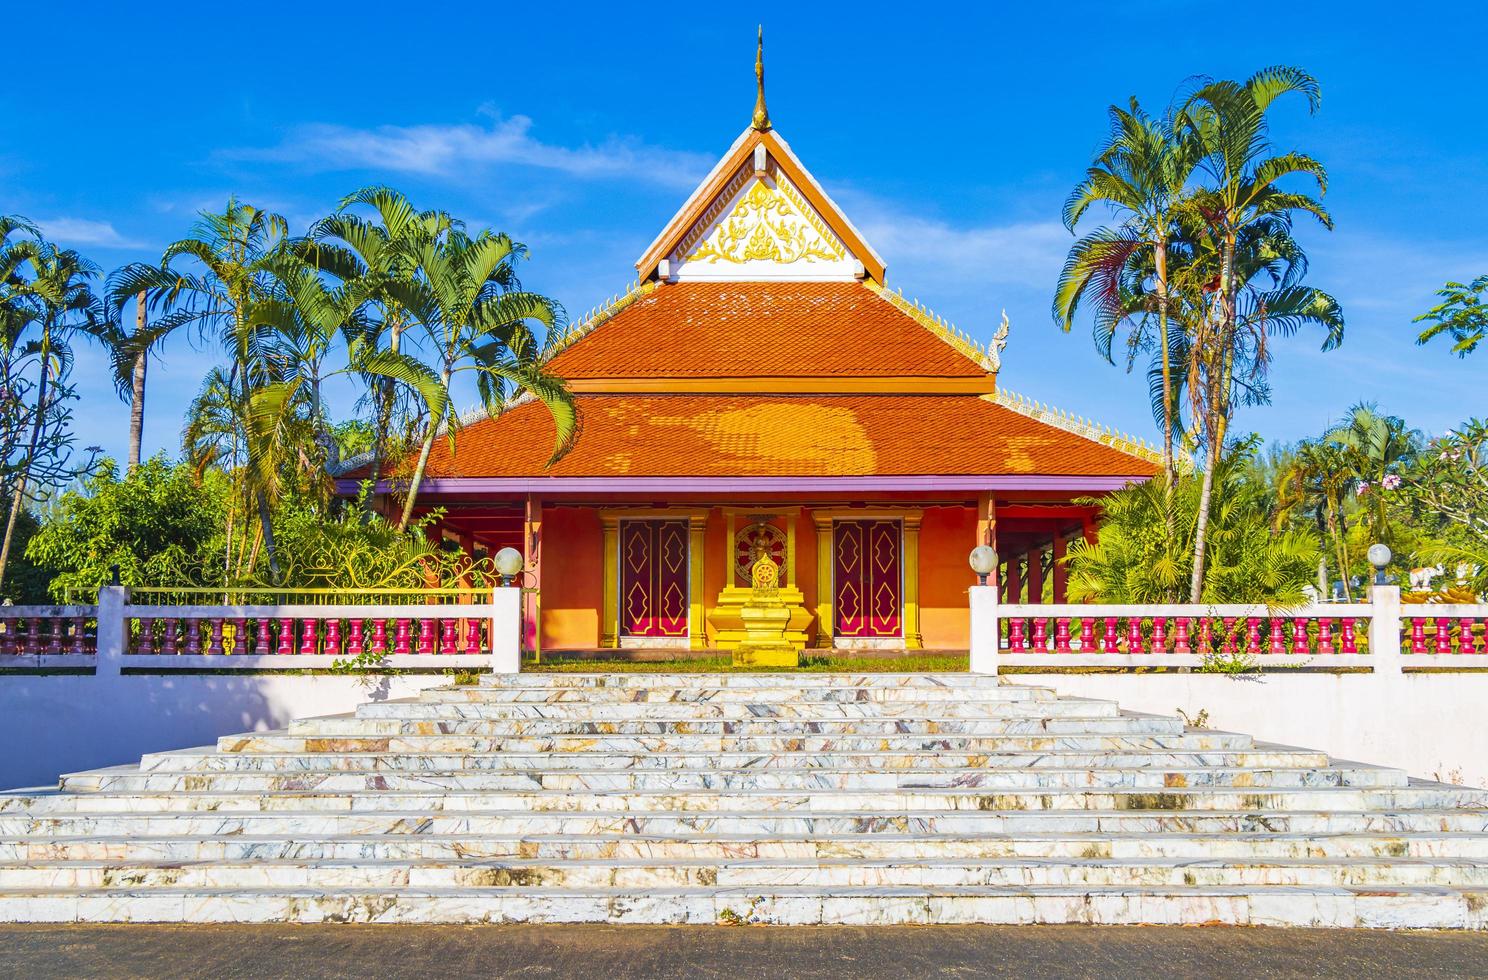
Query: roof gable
<point x="759" y="214"/>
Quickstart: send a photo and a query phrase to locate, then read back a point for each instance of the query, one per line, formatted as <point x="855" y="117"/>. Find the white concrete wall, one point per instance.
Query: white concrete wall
<point x="1430" y="724"/>
<point x="56" y="723"/>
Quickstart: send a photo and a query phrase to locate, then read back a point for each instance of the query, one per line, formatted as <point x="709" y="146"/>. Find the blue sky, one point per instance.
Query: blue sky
<point x="950" y="137"/>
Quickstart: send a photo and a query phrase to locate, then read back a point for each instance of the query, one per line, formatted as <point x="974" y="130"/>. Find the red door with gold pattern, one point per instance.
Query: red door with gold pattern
<point x="653" y="578"/>
<point x="866" y="596"/>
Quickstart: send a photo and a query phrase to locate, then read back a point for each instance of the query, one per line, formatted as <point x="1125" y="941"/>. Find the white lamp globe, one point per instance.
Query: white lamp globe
<point x="983" y="561"/>
<point x="508" y="563"/>
<point x="1379" y="555"/>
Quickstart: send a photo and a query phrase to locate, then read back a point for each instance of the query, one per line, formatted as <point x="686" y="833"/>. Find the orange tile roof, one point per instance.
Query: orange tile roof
<point x="762" y="329"/>
<point x="781" y="435"/>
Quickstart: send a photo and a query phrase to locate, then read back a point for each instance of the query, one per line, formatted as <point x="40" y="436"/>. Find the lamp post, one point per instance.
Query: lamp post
<point x="1379" y="556"/>
<point x="508" y="564"/>
<point x="983" y="562"/>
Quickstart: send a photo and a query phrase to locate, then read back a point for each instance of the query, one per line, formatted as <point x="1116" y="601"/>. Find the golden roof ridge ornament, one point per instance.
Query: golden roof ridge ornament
<point x="761" y="120"/>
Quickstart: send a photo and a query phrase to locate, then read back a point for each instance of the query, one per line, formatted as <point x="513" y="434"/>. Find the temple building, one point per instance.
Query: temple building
<point x="760" y="391"/>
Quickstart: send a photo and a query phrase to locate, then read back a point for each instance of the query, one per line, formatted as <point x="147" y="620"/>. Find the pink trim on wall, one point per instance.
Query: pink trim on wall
<point x="767" y="484"/>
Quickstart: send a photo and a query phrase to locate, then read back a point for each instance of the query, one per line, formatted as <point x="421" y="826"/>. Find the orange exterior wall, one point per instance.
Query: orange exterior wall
<point x="573" y="573"/>
<point x="947" y="535"/>
<point x="572" y="578"/>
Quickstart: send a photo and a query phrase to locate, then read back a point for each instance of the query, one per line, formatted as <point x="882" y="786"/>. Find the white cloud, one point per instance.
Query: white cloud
<point x="83" y="231"/>
<point x="447" y="150"/>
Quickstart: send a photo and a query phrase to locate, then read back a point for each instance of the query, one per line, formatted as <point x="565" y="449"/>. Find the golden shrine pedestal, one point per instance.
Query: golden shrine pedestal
<point x="765" y="616"/>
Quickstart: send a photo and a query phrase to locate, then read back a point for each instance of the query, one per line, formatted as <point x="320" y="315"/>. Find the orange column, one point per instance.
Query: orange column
<point x="532" y="563"/>
<point x="987" y="525"/>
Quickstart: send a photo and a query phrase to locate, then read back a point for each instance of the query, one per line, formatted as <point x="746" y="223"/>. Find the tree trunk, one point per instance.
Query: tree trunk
<point x="1161" y="258"/>
<point x="1217" y="411"/>
<point x="137" y="392"/>
<point x="423" y="460"/>
<point x="266" y="522"/>
<point x="1201" y="528"/>
<point x="18" y="493"/>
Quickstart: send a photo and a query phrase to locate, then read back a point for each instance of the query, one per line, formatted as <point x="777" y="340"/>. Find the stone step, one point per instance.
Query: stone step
<point x="427" y="745"/>
<point x="1191" y="847"/>
<point x="570" y="873"/>
<point x="342" y="726"/>
<point x="1013" y="711"/>
<point x="316" y="763"/>
<point x="793" y="680"/>
<point x="1352" y="811"/>
<point x="991" y="697"/>
<point x="696" y="771"/>
<point x="919" y="792"/>
<point x="1400" y="907"/>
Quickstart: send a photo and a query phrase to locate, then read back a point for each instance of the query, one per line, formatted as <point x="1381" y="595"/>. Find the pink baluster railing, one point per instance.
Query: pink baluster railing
<point x="215" y="646"/>
<point x="472" y="642"/>
<point x="1159" y="635"/>
<point x="449" y="630"/>
<point x="1016" y="640"/>
<point x="1180" y="641"/>
<point x="263" y="641"/>
<point x="355" y="639"/>
<point x="286" y="637"/>
<point x="1206" y="636"/>
<point x="1277" y="644"/>
<point x="1134" y="634"/>
<point x="1418" y="634"/>
<point x="1300" y="642"/>
<point x="1253" y="635"/>
<point x="1040" y="635"/>
<point x="402" y="640"/>
<point x="1325" y="636"/>
<point x="1348" y="644"/>
<point x="1443" y="635"/>
<point x="309" y="637"/>
<point x="332" y="643"/>
<point x="426" y="636"/>
<point x="379" y="636"/>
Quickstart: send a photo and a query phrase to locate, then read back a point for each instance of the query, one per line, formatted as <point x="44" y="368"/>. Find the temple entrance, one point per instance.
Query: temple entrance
<point x="867" y="579"/>
<point x="653" y="578"/>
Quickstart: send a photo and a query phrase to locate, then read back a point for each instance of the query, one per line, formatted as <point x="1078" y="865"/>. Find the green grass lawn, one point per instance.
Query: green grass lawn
<point x="925" y="664"/>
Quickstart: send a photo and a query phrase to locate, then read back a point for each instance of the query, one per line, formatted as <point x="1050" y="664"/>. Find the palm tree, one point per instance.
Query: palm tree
<point x="474" y="316"/>
<point x="305" y="318"/>
<point x="230" y="262"/>
<point x="1227" y="121"/>
<point x="59" y="287"/>
<point x="1374" y="447"/>
<point x="378" y="253"/>
<point x="1316" y="483"/>
<point x="1142" y="174"/>
<point x="16" y="317"/>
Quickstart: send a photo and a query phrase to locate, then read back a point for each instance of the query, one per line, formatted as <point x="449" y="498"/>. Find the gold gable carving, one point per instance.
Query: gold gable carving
<point x="769" y="224"/>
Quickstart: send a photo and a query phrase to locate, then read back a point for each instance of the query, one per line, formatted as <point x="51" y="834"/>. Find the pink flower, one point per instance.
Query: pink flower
<point x="1391" y="481"/>
<point x="1361" y="489"/>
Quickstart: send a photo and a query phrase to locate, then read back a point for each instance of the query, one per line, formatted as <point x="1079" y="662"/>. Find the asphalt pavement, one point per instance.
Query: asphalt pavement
<point x="365" y="952"/>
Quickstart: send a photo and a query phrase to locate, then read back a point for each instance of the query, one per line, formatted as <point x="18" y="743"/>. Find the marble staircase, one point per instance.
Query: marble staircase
<point x="743" y="798"/>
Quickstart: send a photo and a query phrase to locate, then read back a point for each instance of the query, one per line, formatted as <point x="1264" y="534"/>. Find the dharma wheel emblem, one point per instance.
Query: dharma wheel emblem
<point x="754" y="542"/>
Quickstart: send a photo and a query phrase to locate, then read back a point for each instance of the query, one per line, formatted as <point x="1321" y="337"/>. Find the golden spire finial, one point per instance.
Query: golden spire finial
<point x="761" y="114"/>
